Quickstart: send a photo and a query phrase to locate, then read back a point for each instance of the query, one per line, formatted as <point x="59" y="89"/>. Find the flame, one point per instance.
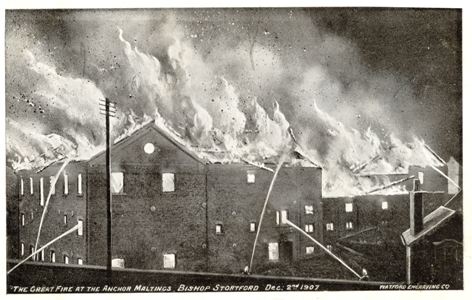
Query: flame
<point x="187" y="98"/>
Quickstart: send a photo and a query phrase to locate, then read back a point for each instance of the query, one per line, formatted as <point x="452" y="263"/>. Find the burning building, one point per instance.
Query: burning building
<point x="174" y="208"/>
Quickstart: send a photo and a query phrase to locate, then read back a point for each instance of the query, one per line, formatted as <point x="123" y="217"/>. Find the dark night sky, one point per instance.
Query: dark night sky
<point x="393" y="70"/>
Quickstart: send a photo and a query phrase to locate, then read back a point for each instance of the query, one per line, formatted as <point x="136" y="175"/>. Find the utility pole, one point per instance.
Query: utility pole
<point x="108" y="109"/>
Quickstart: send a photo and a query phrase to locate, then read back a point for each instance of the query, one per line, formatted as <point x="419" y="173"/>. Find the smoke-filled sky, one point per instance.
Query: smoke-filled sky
<point x="352" y="84"/>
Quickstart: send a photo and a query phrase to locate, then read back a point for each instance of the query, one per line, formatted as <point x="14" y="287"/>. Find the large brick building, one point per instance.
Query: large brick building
<point x="173" y="209"/>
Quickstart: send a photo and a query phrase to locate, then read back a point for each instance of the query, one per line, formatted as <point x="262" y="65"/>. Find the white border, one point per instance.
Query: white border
<point x="467" y="129"/>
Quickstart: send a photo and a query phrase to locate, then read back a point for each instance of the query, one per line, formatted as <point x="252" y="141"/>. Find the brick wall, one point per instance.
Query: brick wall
<point x="148" y="222"/>
<point x="234" y="203"/>
<point x="72" y="205"/>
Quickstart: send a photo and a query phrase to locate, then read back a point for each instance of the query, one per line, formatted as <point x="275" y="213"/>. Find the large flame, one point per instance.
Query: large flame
<point x="205" y="112"/>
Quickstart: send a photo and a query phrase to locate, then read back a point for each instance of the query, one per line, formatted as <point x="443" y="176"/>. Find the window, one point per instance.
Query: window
<point x="329" y="247"/>
<point x="149" y="148"/>
<point x="80" y="261"/>
<point x="65" y="219"/>
<point x="22" y="219"/>
<point x="66" y="184"/>
<point x="32" y="215"/>
<point x="117" y="182"/>
<point x="41" y="255"/>
<point x="349" y="225"/>
<point x="52" y="185"/>
<point x="251" y="177"/>
<point x="80" y="230"/>
<point x="384" y="205"/>
<point x="31" y="186"/>
<point x="252" y="227"/>
<point x="52" y="256"/>
<point x="118" y="262"/>
<point x="22" y="186"/>
<point x="22" y="249"/>
<point x="281" y="217"/>
<point x="309" y="209"/>
<point x="169" y="261"/>
<point x="66" y="259"/>
<point x="168" y="182"/>
<point x="421" y="177"/>
<point x="219" y="229"/>
<point x="348" y="207"/>
<point x="309" y="250"/>
<point x="273" y="251"/>
<point x="309" y="227"/>
<point x="41" y="191"/>
<point x="79" y="184"/>
<point x="329" y="226"/>
<point x="31" y="252"/>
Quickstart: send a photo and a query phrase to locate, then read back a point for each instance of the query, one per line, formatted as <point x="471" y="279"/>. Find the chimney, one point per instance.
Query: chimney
<point x="416" y="209"/>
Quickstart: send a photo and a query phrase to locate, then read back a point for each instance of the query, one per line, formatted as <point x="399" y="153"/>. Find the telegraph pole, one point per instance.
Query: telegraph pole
<point x="108" y="109"/>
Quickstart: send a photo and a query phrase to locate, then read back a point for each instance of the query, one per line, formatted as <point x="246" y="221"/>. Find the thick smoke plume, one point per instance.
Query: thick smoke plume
<point x="231" y="85"/>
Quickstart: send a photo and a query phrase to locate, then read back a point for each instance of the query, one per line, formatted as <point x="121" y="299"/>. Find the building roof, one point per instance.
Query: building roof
<point x="430" y="224"/>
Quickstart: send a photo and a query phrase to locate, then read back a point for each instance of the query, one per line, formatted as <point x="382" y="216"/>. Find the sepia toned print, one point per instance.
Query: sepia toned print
<point x="232" y="149"/>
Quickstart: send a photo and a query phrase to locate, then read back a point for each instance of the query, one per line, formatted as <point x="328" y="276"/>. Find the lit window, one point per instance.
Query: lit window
<point x="251" y="177"/>
<point x="66" y="259"/>
<point x="329" y="247"/>
<point x="283" y="216"/>
<point x="277" y="217"/>
<point x="219" y="229"/>
<point x="80" y="230"/>
<point x="273" y="251"/>
<point x="421" y="177"/>
<point x="309" y="209"/>
<point x="348" y="207"/>
<point x="349" y="225"/>
<point x="41" y="255"/>
<point x="22" y="219"/>
<point x="41" y="191"/>
<point x="32" y="215"/>
<point x="66" y="184"/>
<point x="309" y="250"/>
<point x="169" y="261"/>
<point x="52" y="185"/>
<point x="168" y="182"/>
<point x="252" y="227"/>
<point x="118" y="262"/>
<point x="117" y="182"/>
<point x="80" y="261"/>
<point x="31" y="186"/>
<point x="79" y="184"/>
<point x="309" y="227"/>
<point x="384" y="205"/>
<point x="52" y="256"/>
<point x="22" y="249"/>
<point x="329" y="226"/>
<point x="149" y="148"/>
<point x="65" y="219"/>
<point x="22" y="186"/>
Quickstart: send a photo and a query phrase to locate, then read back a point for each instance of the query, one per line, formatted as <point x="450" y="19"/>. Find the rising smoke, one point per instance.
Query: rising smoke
<point x="232" y="81"/>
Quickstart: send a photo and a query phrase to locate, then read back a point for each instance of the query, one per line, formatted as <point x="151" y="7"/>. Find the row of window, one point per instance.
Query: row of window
<point x="349" y="206"/>
<point x="168" y="261"/>
<point x="52" y="186"/>
<point x="117" y="179"/>
<point x="330" y="226"/>
<point x="65" y="221"/>
<point x="40" y="256"/>
<point x="273" y="250"/>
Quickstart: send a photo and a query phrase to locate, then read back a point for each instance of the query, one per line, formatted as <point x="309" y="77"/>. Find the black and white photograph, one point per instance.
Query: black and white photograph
<point x="233" y="149"/>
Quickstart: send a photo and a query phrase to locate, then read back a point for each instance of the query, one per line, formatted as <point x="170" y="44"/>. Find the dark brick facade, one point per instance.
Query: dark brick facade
<point x="149" y="222"/>
<point x="71" y="205"/>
